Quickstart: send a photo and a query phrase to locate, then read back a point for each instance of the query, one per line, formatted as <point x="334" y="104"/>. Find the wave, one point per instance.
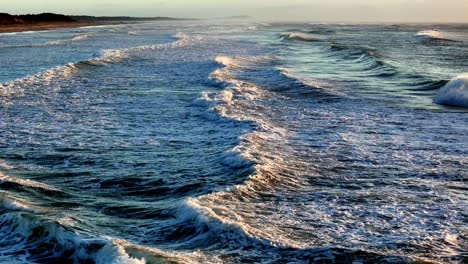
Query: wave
<point x="252" y="72"/>
<point x="246" y="62"/>
<point x="22" y="233"/>
<point x="18" y="87"/>
<point x="455" y="92"/>
<point x="74" y="39"/>
<point x="26" y="182"/>
<point x="436" y="35"/>
<point x="107" y="57"/>
<point x="269" y="150"/>
<point x="372" y="60"/>
<point x="301" y="36"/>
<point x="207" y="221"/>
<point x="322" y="31"/>
<point x="245" y="99"/>
<point x="252" y="82"/>
<point x="31" y="235"/>
<point x="427" y="85"/>
<point x="54" y="43"/>
<point x="10" y="203"/>
<point x="22" y="32"/>
<point x="6" y="166"/>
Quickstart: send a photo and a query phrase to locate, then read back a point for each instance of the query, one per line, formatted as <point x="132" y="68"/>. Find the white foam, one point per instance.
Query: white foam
<point x="454" y="92"/>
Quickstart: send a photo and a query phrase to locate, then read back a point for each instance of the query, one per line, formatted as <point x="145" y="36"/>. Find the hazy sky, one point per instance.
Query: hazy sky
<point x="310" y="10"/>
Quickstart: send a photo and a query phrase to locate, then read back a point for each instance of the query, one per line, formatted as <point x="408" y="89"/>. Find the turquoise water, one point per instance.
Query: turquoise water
<point x="227" y="142"/>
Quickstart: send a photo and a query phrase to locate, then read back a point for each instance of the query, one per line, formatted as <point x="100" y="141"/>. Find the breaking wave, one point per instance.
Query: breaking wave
<point x="26" y="182"/>
<point x="454" y="93"/>
<point x="436" y="35"/>
<point x="301" y="36"/>
<point x="28" y="234"/>
<point x="31" y="237"/>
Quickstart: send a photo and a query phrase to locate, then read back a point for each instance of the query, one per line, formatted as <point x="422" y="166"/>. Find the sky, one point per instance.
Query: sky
<point x="278" y="10"/>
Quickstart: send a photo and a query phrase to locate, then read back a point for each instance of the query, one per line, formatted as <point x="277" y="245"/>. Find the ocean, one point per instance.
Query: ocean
<point x="234" y="142"/>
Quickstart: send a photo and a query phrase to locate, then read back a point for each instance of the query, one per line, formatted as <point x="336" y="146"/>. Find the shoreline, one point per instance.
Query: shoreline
<point x="45" y="26"/>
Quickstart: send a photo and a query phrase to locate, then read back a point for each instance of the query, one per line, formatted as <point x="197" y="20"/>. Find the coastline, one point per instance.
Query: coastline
<point x="44" y="26"/>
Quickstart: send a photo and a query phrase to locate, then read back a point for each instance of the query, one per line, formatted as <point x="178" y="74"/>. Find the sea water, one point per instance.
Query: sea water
<point x="230" y="141"/>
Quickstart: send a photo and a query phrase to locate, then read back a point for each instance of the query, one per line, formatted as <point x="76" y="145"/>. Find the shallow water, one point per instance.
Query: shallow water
<point x="243" y="142"/>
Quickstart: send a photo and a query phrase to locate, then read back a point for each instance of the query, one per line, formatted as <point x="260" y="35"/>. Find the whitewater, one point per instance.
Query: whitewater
<point x="234" y="142"/>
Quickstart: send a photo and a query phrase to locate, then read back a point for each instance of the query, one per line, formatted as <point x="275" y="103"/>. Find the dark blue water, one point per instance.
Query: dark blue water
<point x="194" y="142"/>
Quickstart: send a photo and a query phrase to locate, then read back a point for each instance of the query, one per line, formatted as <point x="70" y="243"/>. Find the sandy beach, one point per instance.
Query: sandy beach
<point x="43" y="26"/>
